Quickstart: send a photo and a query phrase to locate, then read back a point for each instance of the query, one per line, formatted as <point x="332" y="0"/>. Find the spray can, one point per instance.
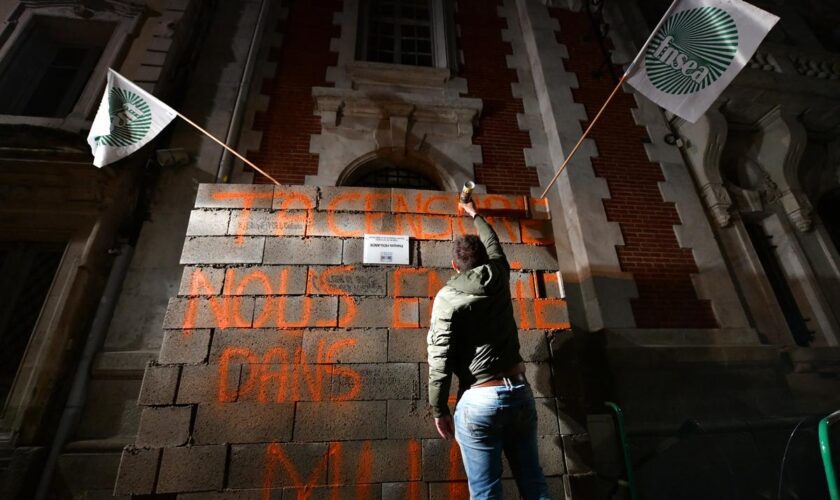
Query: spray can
<point x="466" y="192"/>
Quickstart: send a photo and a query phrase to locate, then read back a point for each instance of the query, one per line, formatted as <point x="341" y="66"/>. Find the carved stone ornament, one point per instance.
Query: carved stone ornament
<point x="799" y="209"/>
<point x="719" y="202"/>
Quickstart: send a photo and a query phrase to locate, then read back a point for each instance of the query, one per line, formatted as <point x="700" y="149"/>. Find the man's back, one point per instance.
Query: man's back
<point x="473" y="334"/>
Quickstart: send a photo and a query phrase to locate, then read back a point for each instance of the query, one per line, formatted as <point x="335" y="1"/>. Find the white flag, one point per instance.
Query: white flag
<point x="696" y="51"/>
<point x="128" y="118"/>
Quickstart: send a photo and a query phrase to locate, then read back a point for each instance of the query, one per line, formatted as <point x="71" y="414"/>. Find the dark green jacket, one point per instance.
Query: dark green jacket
<point x="473" y="333"/>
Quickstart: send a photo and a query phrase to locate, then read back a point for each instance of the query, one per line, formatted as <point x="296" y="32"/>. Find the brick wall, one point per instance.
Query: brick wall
<point x="302" y="62"/>
<point x="662" y="270"/>
<point x="503" y="168"/>
<point x="287" y="366"/>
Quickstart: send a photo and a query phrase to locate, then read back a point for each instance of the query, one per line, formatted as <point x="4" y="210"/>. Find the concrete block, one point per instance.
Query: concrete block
<point x="200" y="383"/>
<point x="268" y="223"/>
<point x="550" y="284"/>
<point x="350" y="225"/>
<point x="418" y="281"/>
<point x="212" y="312"/>
<point x="342" y="199"/>
<point x="223" y="250"/>
<point x="378" y="382"/>
<point x="533" y="345"/>
<point x="425" y="311"/>
<point x="374" y="461"/>
<point x="295" y="197"/>
<point x="450" y="490"/>
<point x="537" y="232"/>
<point x="416" y="201"/>
<point x="192" y="468"/>
<point x="138" y="471"/>
<point x="401" y="491"/>
<point x="442" y="461"/>
<point x="164" y="426"/>
<point x="407" y="346"/>
<point x="347" y="280"/>
<point x="424" y="227"/>
<point x="208" y="223"/>
<point x="265" y="280"/>
<point x="201" y="281"/>
<point x="500" y="204"/>
<point x="577" y="451"/>
<point x="410" y="419"/>
<point x="234" y="196"/>
<point x="539" y="208"/>
<point x="522" y="285"/>
<point x="345" y="346"/>
<point x="296" y="312"/>
<point x="507" y="229"/>
<point x="257" y="342"/>
<point x="339" y="421"/>
<point x="539" y="376"/>
<point x="368" y="312"/>
<point x="277" y="465"/>
<point x="546" y="417"/>
<point x="436" y="254"/>
<point x="545" y="314"/>
<point x="325" y="251"/>
<point x="159" y="385"/>
<point x="531" y="257"/>
<point x="184" y="346"/>
<point x="243" y="422"/>
<point x="353" y="251"/>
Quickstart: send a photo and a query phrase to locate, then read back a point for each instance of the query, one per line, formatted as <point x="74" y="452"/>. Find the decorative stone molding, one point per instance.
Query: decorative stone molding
<point x="718" y="201"/>
<point x="601" y="294"/>
<point x="435" y="129"/>
<point x="798" y="209"/>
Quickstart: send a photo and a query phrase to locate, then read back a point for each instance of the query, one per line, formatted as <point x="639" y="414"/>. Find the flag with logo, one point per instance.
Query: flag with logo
<point x="128" y="118"/>
<point x="696" y="51"/>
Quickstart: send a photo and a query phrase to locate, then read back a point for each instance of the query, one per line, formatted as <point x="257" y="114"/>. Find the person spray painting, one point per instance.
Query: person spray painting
<point x="473" y="334"/>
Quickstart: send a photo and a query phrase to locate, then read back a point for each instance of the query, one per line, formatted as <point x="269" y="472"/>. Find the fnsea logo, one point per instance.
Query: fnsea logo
<point x="691" y="50"/>
<point x="130" y="117"/>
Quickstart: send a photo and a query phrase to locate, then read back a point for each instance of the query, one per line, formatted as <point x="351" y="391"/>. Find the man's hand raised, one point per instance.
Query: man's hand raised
<point x="445" y="427"/>
<point x="469" y="208"/>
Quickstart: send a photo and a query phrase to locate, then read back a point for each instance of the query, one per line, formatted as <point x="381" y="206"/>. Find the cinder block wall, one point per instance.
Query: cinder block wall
<point x="289" y="368"/>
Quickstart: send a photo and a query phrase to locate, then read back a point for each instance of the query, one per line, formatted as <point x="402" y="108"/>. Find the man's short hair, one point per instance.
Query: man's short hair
<point x="469" y="252"/>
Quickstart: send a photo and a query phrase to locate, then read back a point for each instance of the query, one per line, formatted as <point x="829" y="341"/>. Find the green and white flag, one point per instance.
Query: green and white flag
<point x="128" y="118"/>
<point x="696" y="51"/>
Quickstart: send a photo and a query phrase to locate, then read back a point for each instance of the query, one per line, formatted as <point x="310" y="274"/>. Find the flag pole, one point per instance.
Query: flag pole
<point x="222" y="144"/>
<point x="585" y="133"/>
<point x="624" y="77"/>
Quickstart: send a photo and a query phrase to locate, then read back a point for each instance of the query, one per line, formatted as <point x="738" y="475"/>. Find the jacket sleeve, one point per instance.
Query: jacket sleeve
<point x="440" y="365"/>
<point x="491" y="241"/>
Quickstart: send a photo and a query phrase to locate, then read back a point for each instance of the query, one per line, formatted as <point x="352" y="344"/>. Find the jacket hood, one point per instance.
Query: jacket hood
<point x="481" y="280"/>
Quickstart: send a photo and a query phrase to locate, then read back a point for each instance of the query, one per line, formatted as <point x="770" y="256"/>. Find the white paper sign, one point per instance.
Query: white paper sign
<point x="386" y="249"/>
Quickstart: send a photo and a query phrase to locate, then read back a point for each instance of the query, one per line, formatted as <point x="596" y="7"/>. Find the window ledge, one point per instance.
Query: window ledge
<point x="372" y="73"/>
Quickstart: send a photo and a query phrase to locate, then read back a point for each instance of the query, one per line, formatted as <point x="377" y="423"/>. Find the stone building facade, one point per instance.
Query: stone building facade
<point x="688" y="272"/>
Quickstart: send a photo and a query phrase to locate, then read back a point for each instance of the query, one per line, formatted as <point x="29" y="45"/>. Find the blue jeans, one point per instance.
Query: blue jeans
<point x="490" y="420"/>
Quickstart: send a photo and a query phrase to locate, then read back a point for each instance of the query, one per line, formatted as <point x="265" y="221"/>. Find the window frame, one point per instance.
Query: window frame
<point x="83" y="109"/>
<point x="442" y="32"/>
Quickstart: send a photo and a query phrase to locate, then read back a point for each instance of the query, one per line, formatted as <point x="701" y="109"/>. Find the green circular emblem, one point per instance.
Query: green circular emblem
<point x="131" y="119"/>
<point x="691" y="50"/>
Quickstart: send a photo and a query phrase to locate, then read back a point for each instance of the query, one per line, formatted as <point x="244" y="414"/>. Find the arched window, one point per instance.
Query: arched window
<point x="384" y="173"/>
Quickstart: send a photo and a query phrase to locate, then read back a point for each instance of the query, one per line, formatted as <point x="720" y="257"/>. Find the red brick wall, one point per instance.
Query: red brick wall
<point x="661" y="268"/>
<point x="503" y="168"/>
<point x="302" y="62"/>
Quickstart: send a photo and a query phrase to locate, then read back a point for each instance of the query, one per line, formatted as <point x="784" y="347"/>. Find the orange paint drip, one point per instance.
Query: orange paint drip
<point x="335" y="470"/>
<point x="414" y="469"/>
<point x="365" y="472"/>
